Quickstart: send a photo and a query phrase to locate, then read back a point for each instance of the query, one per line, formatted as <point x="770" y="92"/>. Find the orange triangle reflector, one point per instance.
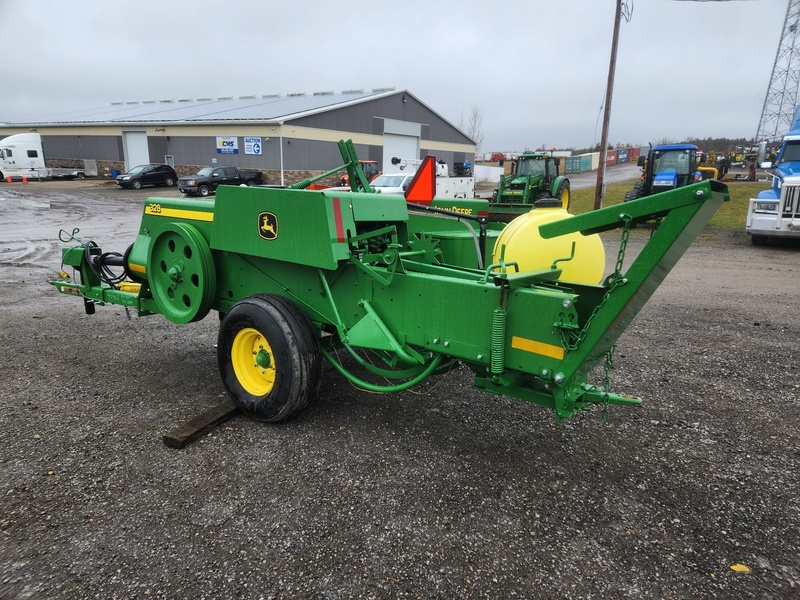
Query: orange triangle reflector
<point x="422" y="188"/>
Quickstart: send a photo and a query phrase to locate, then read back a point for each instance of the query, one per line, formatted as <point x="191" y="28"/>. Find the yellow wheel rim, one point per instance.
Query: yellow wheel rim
<point x="565" y="199"/>
<point x="253" y="362"/>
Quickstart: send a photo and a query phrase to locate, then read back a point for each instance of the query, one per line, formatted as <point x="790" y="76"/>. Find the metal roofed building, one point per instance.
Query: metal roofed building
<point x="286" y="136"/>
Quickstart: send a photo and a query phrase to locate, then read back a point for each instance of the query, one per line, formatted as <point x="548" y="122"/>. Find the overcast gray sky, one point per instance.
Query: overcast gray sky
<point x="536" y="69"/>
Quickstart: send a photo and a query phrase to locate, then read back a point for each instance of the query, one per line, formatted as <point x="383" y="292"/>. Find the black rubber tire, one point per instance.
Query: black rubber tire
<point x="758" y="240"/>
<point x="81" y="175"/>
<point x="564" y="187"/>
<point x="295" y="355"/>
<point x="636" y="193"/>
<point x="169" y="182"/>
<point x="136" y="184"/>
<point x="203" y="190"/>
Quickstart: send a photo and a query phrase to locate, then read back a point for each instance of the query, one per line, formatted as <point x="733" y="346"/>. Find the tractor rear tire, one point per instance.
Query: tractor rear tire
<point x="563" y="193"/>
<point x="636" y="193"/>
<point x="269" y="358"/>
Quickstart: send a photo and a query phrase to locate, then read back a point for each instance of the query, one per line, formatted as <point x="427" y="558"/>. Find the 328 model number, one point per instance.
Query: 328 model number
<point x="153" y="209"/>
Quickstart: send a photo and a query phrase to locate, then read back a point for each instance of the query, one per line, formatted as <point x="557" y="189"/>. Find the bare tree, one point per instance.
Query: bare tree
<point x="475" y="126"/>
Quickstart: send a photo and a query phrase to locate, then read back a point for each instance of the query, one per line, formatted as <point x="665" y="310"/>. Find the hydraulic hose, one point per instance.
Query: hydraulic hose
<point x="371" y="387"/>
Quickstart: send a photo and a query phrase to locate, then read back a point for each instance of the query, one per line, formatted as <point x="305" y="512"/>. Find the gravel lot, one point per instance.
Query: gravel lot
<point x="443" y="492"/>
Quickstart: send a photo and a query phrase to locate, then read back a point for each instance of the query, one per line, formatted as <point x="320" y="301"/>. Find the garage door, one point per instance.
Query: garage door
<point x="134" y="145"/>
<point x="400" y="146"/>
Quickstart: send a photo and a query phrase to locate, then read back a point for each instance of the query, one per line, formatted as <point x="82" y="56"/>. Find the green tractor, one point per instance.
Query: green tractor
<point x="534" y="175"/>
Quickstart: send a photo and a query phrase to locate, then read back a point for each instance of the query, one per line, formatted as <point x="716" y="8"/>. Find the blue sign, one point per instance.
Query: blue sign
<point x="252" y="145"/>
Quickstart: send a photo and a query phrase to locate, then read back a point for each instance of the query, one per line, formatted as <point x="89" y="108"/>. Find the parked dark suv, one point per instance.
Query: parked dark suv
<point x="148" y="175"/>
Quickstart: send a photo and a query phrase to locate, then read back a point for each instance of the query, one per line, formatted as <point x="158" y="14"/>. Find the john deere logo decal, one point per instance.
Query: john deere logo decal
<point x="267" y="225"/>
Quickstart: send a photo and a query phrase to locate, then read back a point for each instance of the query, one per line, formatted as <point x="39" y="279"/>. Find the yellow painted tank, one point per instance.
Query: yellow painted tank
<point x="525" y="246"/>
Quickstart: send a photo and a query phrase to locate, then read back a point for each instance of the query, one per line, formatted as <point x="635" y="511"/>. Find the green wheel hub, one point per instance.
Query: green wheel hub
<point x="181" y="273"/>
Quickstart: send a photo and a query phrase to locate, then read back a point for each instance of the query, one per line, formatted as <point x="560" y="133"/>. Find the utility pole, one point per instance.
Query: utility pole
<point x="601" y="168"/>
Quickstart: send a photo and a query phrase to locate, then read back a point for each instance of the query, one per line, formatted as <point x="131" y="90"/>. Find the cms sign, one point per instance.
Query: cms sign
<point x="227" y="145"/>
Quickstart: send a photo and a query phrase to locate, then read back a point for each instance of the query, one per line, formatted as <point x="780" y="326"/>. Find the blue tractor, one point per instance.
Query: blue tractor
<point x="667" y="167"/>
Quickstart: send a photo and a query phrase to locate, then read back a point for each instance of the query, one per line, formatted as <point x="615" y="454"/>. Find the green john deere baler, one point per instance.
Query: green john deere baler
<point x="403" y="290"/>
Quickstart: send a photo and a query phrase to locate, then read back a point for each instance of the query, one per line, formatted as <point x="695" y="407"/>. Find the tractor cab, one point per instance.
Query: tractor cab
<point x="529" y="165"/>
<point x="666" y="168"/>
<point x="673" y="168"/>
<point x="534" y="175"/>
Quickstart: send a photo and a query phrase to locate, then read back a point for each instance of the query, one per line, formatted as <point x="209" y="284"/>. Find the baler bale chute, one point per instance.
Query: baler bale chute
<point x="403" y="290"/>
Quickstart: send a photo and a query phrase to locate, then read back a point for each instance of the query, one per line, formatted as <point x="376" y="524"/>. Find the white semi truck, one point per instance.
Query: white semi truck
<point x="775" y="213"/>
<point x="22" y="156"/>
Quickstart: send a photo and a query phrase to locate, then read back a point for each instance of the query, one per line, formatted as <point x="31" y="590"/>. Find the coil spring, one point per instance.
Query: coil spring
<point x="498" y="350"/>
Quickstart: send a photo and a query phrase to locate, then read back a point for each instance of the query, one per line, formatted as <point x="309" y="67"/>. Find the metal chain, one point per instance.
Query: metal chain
<point x="612" y="281"/>
<point x="623" y="245"/>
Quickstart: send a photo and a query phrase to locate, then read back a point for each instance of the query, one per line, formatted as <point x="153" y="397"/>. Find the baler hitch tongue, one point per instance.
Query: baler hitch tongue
<point x="99" y="279"/>
<point x="595" y="395"/>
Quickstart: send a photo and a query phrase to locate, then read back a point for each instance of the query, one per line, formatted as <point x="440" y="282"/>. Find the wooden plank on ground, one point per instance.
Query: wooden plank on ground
<point x="189" y="431"/>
